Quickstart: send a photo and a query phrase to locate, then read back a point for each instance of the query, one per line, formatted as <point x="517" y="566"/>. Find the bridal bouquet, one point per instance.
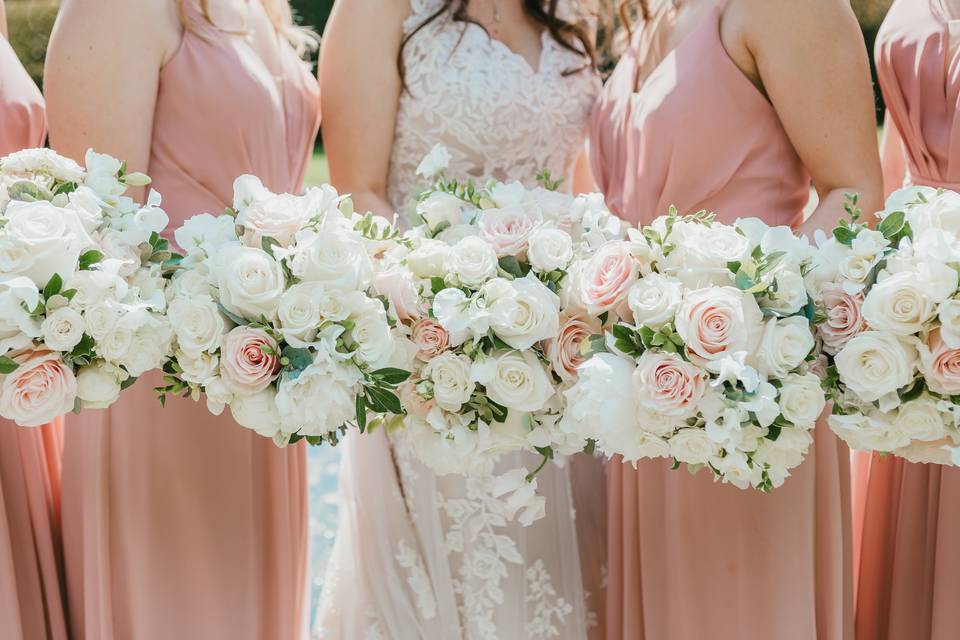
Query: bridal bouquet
<point x="486" y="272"/>
<point x="81" y="284"/>
<point x="708" y="354"/>
<point x="892" y="326"/>
<point x="274" y="316"/>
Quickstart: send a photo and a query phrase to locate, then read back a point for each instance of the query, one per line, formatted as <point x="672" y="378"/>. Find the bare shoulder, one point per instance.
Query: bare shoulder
<point x="388" y="13"/>
<point x="152" y="27"/>
<point x="815" y="21"/>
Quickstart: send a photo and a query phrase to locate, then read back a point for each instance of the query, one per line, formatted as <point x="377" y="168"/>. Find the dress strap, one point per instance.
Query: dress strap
<point x="197" y="19"/>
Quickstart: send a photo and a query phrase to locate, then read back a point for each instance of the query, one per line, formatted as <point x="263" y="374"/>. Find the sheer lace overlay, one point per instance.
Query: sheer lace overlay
<point x="422" y="556"/>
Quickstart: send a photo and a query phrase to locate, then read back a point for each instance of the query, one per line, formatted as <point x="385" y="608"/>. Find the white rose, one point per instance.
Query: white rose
<point x="473" y="261"/>
<point x="95" y="287"/>
<point x="43" y="161"/>
<point x="337" y="306"/>
<point x="99" y="319"/>
<point x="896" y="304"/>
<point x="335" y="258"/>
<point x="457" y="232"/>
<point x="149" y="346"/>
<point x="53" y="239"/>
<point x="950" y="323"/>
<point x="702" y="253"/>
<point x="206" y="234"/>
<point x="517" y="380"/>
<point x="62" y="329"/>
<point x="874" y="364"/>
<point x="299" y="311"/>
<point x="654" y="300"/>
<point x="921" y="419"/>
<point x="276" y="216"/>
<point x="434" y="163"/>
<point x="429" y="258"/>
<point x="941" y="211"/>
<point x="785" y="345"/>
<point x="250" y="282"/>
<point x="856" y="268"/>
<point x="199" y="367"/>
<point x="522" y="312"/>
<point x="257" y="411"/>
<point x="371" y="335"/>
<point x="320" y="400"/>
<point x="692" y="446"/>
<point x="191" y="282"/>
<point x="802" y="399"/>
<point x="198" y="323"/>
<point x="98" y="386"/>
<point x="549" y="249"/>
<point x="555" y="206"/>
<point x="440" y="211"/>
<point x="450" y="375"/>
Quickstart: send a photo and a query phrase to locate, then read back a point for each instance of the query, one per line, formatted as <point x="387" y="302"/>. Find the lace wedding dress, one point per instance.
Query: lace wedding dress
<point x="419" y="556"/>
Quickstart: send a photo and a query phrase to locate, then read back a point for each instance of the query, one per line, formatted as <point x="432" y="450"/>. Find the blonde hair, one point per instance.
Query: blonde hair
<point x="303" y="39"/>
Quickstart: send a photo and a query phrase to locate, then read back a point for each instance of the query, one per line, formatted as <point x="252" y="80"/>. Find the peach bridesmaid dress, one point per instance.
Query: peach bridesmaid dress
<point x="689" y="558"/>
<point x="178" y="524"/>
<point x="908" y="515"/>
<point x="31" y="574"/>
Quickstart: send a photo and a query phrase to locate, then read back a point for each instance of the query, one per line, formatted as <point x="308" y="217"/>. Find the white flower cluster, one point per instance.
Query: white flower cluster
<point x="708" y="350"/>
<point x="891" y="309"/>
<point x="81" y="284"/>
<point x="274" y="317"/>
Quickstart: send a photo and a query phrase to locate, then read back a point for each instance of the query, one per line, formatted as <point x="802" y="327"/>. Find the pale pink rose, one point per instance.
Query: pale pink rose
<point x="941" y="365"/>
<point x="564" y="350"/>
<point x="430" y="338"/>
<point x="718" y="322"/>
<point x="413" y="402"/>
<point x="277" y="216"/>
<point x="507" y="229"/>
<point x="249" y="360"/>
<point x="398" y="285"/>
<point x="607" y="277"/>
<point x="844" y="318"/>
<point x="668" y="385"/>
<point x="41" y="389"/>
<point x="818" y="366"/>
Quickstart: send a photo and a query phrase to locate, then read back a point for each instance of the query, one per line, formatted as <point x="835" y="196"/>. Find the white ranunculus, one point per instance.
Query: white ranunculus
<point x="198" y="323"/>
<point x="435" y="162"/>
<point x="62" y="329"/>
<point x="51" y="238"/>
<point x="654" y="300"/>
<point x="522" y="312"/>
<point x="473" y="261"/>
<point x="517" y="380"/>
<point x="450" y="375"/>
<point x="250" y="282"/>
<point x="921" y="419"/>
<point x="200" y="368"/>
<point x="206" y="234"/>
<point x="257" y="411"/>
<point x="896" y="304"/>
<point x="785" y="345"/>
<point x="320" y="400"/>
<point x="802" y="399"/>
<point x="334" y="257"/>
<point x="950" y="323"/>
<point x="440" y="211"/>
<point x="549" y="249"/>
<point x="98" y="386"/>
<point x="429" y="258"/>
<point x="692" y="446"/>
<point x="874" y="364"/>
<point x="371" y="335"/>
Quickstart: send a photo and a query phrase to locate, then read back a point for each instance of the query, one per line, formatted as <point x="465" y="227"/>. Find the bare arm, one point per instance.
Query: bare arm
<point x="3" y="20"/>
<point x="101" y="76"/>
<point x="583" y="180"/>
<point x="812" y="63"/>
<point x="891" y="155"/>
<point x="361" y="92"/>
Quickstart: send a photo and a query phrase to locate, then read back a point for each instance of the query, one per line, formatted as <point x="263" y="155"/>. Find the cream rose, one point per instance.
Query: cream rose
<point x="473" y="261"/>
<point x="249" y="361"/>
<point x="718" y="322"/>
<point x="802" y="399"/>
<point x="450" y="375"/>
<point x="334" y="258"/>
<point x="257" y="411"/>
<point x="563" y="351"/>
<point x="197" y="323"/>
<point x="920" y="419"/>
<point x="39" y="390"/>
<point x="429" y="259"/>
<point x="874" y="364"/>
<point x="654" y="300"/>
<point x="277" y="216"/>
<point x="517" y="380"/>
<point x="897" y="305"/>
<point x="785" y="345"/>
<point x="250" y="282"/>
<point x="62" y="329"/>
<point x="666" y="384"/>
<point x="522" y="312"/>
<point x="299" y="312"/>
<point x="98" y="386"/>
<point x="51" y="239"/>
<point x="549" y="249"/>
<point x="692" y="446"/>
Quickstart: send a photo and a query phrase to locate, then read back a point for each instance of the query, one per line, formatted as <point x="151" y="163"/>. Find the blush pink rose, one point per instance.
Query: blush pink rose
<point x="717" y="322"/>
<point x="941" y="365"/>
<point x="430" y="338"/>
<point x="668" y="385"/>
<point x="607" y="277"/>
<point x="564" y="350"/>
<point x="844" y="318"/>
<point x="278" y="216"/>
<point x="41" y="389"/>
<point x="413" y="402"/>
<point x="248" y="360"/>
<point x="398" y="286"/>
<point x="507" y="229"/>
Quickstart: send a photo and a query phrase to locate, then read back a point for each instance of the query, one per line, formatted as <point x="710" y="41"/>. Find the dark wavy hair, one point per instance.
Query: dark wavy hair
<point x="569" y="35"/>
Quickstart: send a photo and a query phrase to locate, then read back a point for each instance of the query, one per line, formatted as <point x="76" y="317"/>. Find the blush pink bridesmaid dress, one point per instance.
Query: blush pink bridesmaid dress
<point x="908" y="515"/>
<point x="689" y="558"/>
<point x="178" y="524"/>
<point x="31" y="574"/>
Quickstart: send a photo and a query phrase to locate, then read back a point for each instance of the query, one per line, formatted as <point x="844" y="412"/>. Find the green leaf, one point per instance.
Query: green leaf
<point x="622" y="332"/>
<point x="296" y="361"/>
<point x="89" y="258"/>
<point x="844" y="235"/>
<point x="773" y="432"/>
<point x="912" y="392"/>
<point x="69" y="294"/>
<point x="384" y="401"/>
<point x="84" y="348"/>
<point x="391" y="375"/>
<point x="129" y="382"/>
<point x="499" y="411"/>
<point x="891" y="225"/>
<point x="734" y="266"/>
<point x="511" y="265"/>
<point x="54" y="285"/>
<point x="267" y="244"/>
<point x="234" y="318"/>
<point x="437" y="284"/>
<point x="361" y="413"/>
<point x="744" y="282"/>
<point x="8" y="365"/>
<point x="603" y="317"/>
<point x="26" y="191"/>
<point x="590" y="447"/>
